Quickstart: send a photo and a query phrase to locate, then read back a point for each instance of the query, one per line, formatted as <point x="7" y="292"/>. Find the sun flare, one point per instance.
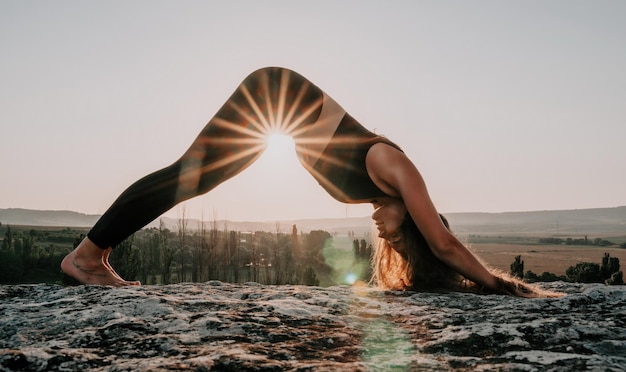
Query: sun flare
<point x="276" y="126"/>
<point x="279" y="144"/>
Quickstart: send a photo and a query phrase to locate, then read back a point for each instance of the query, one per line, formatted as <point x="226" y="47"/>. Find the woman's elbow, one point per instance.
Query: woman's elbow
<point x="445" y="247"/>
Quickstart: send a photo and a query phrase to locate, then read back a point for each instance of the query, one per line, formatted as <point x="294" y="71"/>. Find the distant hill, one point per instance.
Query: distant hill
<point x="32" y="217"/>
<point x="576" y="222"/>
<point x="558" y="222"/>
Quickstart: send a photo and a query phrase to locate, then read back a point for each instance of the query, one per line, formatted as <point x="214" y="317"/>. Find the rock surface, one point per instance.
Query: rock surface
<point x="219" y="326"/>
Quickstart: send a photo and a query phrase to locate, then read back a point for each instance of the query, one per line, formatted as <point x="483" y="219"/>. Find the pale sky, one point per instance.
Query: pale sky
<point x="502" y="105"/>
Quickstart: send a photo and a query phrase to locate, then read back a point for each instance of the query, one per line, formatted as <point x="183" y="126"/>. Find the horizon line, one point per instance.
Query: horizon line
<point x="312" y="218"/>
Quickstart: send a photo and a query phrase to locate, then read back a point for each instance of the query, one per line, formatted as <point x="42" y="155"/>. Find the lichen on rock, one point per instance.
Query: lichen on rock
<point x="220" y="326"/>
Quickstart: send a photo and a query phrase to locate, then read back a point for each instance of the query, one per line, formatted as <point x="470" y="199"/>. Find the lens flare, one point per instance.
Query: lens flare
<point x="351" y="278"/>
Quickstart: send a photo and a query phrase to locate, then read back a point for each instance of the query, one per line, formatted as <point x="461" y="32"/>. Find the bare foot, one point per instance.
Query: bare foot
<point x="105" y="261"/>
<point x="89" y="264"/>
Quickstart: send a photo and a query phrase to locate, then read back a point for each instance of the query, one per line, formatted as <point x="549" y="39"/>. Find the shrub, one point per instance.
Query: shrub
<point x="517" y="267"/>
<point x="615" y="279"/>
<point x="530" y="276"/>
<point x="549" y="277"/>
<point x="584" y="272"/>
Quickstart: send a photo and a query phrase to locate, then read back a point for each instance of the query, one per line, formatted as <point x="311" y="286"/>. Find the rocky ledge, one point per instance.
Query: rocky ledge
<point x="219" y="326"/>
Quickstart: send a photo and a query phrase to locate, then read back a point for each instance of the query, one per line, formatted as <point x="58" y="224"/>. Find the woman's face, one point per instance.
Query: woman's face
<point x="388" y="216"/>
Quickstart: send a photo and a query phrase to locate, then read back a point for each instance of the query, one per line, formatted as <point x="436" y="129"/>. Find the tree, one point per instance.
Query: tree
<point x="234" y="244"/>
<point x="295" y="244"/>
<point x="310" y="277"/>
<point x="182" y="234"/>
<point x="517" y="267"/>
<point x="203" y="246"/>
<point x="610" y="265"/>
<point x="196" y="259"/>
<point x="363" y="250"/>
<point x="549" y="277"/>
<point x="7" y="242"/>
<point x="223" y="255"/>
<point x="584" y="272"/>
<point x="253" y="271"/>
<point x="276" y="264"/>
<point x="10" y="268"/>
<point x="530" y="276"/>
<point x="28" y="251"/>
<point x="212" y="245"/>
<point x="150" y="253"/>
<point x="615" y="279"/>
<point x="314" y="245"/>
<point x="610" y="270"/>
<point x="167" y="253"/>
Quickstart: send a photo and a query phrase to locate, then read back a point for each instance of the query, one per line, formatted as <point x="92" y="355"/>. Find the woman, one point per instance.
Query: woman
<point x="351" y="163"/>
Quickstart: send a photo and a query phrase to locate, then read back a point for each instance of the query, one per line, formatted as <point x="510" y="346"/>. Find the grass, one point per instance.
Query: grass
<point x="499" y="251"/>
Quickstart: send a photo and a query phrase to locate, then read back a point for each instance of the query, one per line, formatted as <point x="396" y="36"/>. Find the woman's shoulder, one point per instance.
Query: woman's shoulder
<point x="383" y="151"/>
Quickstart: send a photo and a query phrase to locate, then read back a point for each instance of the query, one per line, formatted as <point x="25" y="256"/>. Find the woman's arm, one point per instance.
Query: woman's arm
<point x="396" y="175"/>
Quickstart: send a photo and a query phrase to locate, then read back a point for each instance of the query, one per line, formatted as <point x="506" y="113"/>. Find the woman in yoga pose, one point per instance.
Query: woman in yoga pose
<point x="354" y="165"/>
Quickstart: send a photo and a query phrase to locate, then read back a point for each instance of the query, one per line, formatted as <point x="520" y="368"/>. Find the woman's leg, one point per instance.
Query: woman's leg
<point x="268" y="99"/>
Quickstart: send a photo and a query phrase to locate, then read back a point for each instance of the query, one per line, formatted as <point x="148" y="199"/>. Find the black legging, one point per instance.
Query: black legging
<point x="330" y="144"/>
<point x="231" y="141"/>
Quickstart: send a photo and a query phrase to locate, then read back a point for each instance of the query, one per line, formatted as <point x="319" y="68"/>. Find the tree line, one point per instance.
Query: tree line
<point x="31" y="255"/>
<point x="599" y="242"/>
<point x="163" y="256"/>
<point x="607" y="272"/>
<point x="363" y="251"/>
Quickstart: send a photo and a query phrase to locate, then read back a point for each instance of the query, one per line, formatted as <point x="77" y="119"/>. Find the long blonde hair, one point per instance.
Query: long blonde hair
<point x="419" y="270"/>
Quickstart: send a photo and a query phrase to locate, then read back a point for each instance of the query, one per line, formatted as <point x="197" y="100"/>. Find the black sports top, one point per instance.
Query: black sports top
<point x="341" y="169"/>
